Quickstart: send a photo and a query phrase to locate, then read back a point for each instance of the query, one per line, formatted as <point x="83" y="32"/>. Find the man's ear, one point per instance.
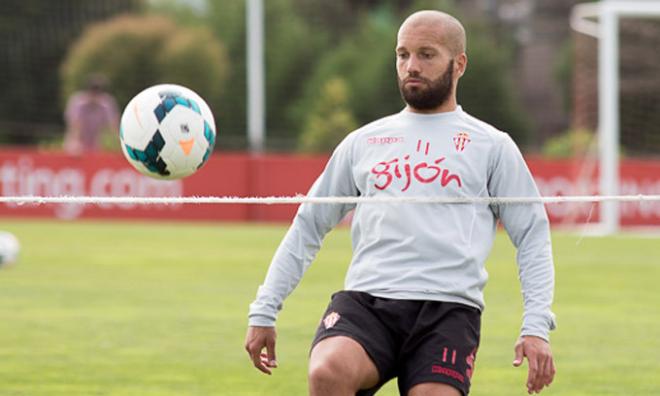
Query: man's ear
<point x="460" y="64"/>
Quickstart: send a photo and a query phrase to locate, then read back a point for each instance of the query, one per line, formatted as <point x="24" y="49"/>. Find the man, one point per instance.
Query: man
<point x="88" y="113"/>
<point x="413" y="294"/>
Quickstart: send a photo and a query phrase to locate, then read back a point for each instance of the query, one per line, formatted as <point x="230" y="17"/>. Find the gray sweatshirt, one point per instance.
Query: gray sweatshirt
<point x="422" y="251"/>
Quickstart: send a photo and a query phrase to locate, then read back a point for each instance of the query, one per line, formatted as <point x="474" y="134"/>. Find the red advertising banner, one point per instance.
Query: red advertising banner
<point x="30" y="173"/>
<point x="33" y="173"/>
<point x="572" y="177"/>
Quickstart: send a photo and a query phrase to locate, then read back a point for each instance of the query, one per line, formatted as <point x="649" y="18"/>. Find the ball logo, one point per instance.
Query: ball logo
<point x="186" y="145"/>
<point x="185" y="129"/>
<point x="331" y="319"/>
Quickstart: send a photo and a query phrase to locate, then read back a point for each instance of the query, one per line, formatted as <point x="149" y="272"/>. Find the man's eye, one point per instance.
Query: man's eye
<point x="402" y="55"/>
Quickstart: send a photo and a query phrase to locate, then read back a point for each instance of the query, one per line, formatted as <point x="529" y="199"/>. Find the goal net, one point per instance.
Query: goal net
<point x="616" y="94"/>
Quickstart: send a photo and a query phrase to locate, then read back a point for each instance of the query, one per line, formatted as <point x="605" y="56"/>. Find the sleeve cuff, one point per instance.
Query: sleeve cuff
<point x="261" y="321"/>
<point x="538" y="325"/>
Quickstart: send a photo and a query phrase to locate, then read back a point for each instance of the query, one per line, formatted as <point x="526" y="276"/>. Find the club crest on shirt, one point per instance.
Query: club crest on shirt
<point x="331" y="319"/>
<point x="461" y="140"/>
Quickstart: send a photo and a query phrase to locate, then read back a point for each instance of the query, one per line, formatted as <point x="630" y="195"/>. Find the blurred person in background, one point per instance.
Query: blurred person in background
<point x="89" y="113"/>
<point x="413" y="296"/>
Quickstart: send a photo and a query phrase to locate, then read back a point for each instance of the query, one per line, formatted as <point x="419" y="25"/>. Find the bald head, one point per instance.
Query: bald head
<point x="438" y="26"/>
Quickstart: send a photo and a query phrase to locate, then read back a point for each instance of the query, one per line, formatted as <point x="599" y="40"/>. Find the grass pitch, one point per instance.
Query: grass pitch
<point x="156" y="309"/>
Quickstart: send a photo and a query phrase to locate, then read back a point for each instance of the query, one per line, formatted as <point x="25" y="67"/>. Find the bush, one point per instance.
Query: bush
<point x="330" y="120"/>
<point x="135" y="52"/>
<point x="572" y="143"/>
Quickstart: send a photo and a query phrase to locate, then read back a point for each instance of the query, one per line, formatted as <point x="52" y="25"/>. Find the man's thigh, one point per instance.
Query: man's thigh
<point x="433" y="389"/>
<point x="347" y="360"/>
<point x="351" y="322"/>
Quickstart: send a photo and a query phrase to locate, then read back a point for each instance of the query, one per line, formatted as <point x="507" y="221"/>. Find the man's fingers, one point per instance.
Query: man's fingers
<point x="270" y="351"/>
<point x="539" y="383"/>
<point x="518" y="358"/>
<point x="267" y="361"/>
<point x="551" y="371"/>
<point x="254" y="350"/>
<point x="548" y="372"/>
<point x="544" y="373"/>
<point x="532" y="373"/>
<point x="259" y="364"/>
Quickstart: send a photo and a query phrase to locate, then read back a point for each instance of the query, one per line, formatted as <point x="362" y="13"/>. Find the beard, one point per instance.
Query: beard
<point x="433" y="95"/>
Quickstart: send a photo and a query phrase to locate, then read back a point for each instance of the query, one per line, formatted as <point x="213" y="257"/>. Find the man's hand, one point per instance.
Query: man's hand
<point x="539" y="356"/>
<point x="256" y="340"/>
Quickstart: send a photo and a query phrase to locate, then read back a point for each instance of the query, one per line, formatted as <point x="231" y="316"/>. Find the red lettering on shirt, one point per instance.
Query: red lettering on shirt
<point x="422" y="171"/>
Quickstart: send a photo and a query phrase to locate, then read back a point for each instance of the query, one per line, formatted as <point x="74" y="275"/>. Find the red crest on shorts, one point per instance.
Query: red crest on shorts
<point x="331" y="319"/>
<point x="461" y="140"/>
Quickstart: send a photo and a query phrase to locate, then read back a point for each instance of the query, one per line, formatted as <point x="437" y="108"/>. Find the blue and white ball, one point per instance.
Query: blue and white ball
<point x="9" y="249"/>
<point x="167" y="132"/>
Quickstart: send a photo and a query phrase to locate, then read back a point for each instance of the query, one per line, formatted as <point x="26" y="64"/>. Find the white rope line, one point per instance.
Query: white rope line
<point x="299" y="199"/>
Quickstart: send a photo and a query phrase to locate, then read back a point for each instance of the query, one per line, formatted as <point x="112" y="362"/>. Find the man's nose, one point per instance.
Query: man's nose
<point x="413" y="66"/>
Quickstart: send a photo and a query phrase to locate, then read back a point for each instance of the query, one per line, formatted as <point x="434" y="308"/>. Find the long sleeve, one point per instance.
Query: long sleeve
<point x="303" y="239"/>
<point x="528" y="227"/>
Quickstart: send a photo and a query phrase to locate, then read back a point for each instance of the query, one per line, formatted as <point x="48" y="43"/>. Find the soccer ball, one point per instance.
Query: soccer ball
<point x="167" y="132"/>
<point x="9" y="248"/>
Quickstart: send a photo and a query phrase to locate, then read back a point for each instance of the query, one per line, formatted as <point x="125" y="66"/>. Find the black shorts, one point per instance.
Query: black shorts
<point x="415" y="341"/>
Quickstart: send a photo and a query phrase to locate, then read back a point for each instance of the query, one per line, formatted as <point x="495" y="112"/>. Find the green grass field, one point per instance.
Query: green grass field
<point x="159" y="309"/>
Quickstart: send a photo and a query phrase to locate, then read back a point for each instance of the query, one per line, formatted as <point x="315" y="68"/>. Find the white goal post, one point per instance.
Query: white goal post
<point x="256" y="76"/>
<point x="601" y="20"/>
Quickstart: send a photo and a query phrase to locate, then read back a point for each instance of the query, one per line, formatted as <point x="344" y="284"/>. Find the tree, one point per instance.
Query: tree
<point x="293" y="45"/>
<point x="135" y="52"/>
<point x="365" y="60"/>
<point x="311" y="42"/>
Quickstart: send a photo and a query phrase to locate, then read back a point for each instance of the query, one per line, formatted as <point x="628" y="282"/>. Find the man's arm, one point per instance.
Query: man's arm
<point x="529" y="230"/>
<point x="297" y="250"/>
<point x="72" y="133"/>
<point x="72" y="144"/>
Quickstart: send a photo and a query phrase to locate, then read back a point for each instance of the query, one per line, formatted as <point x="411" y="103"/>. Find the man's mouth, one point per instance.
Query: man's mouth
<point x="413" y="81"/>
